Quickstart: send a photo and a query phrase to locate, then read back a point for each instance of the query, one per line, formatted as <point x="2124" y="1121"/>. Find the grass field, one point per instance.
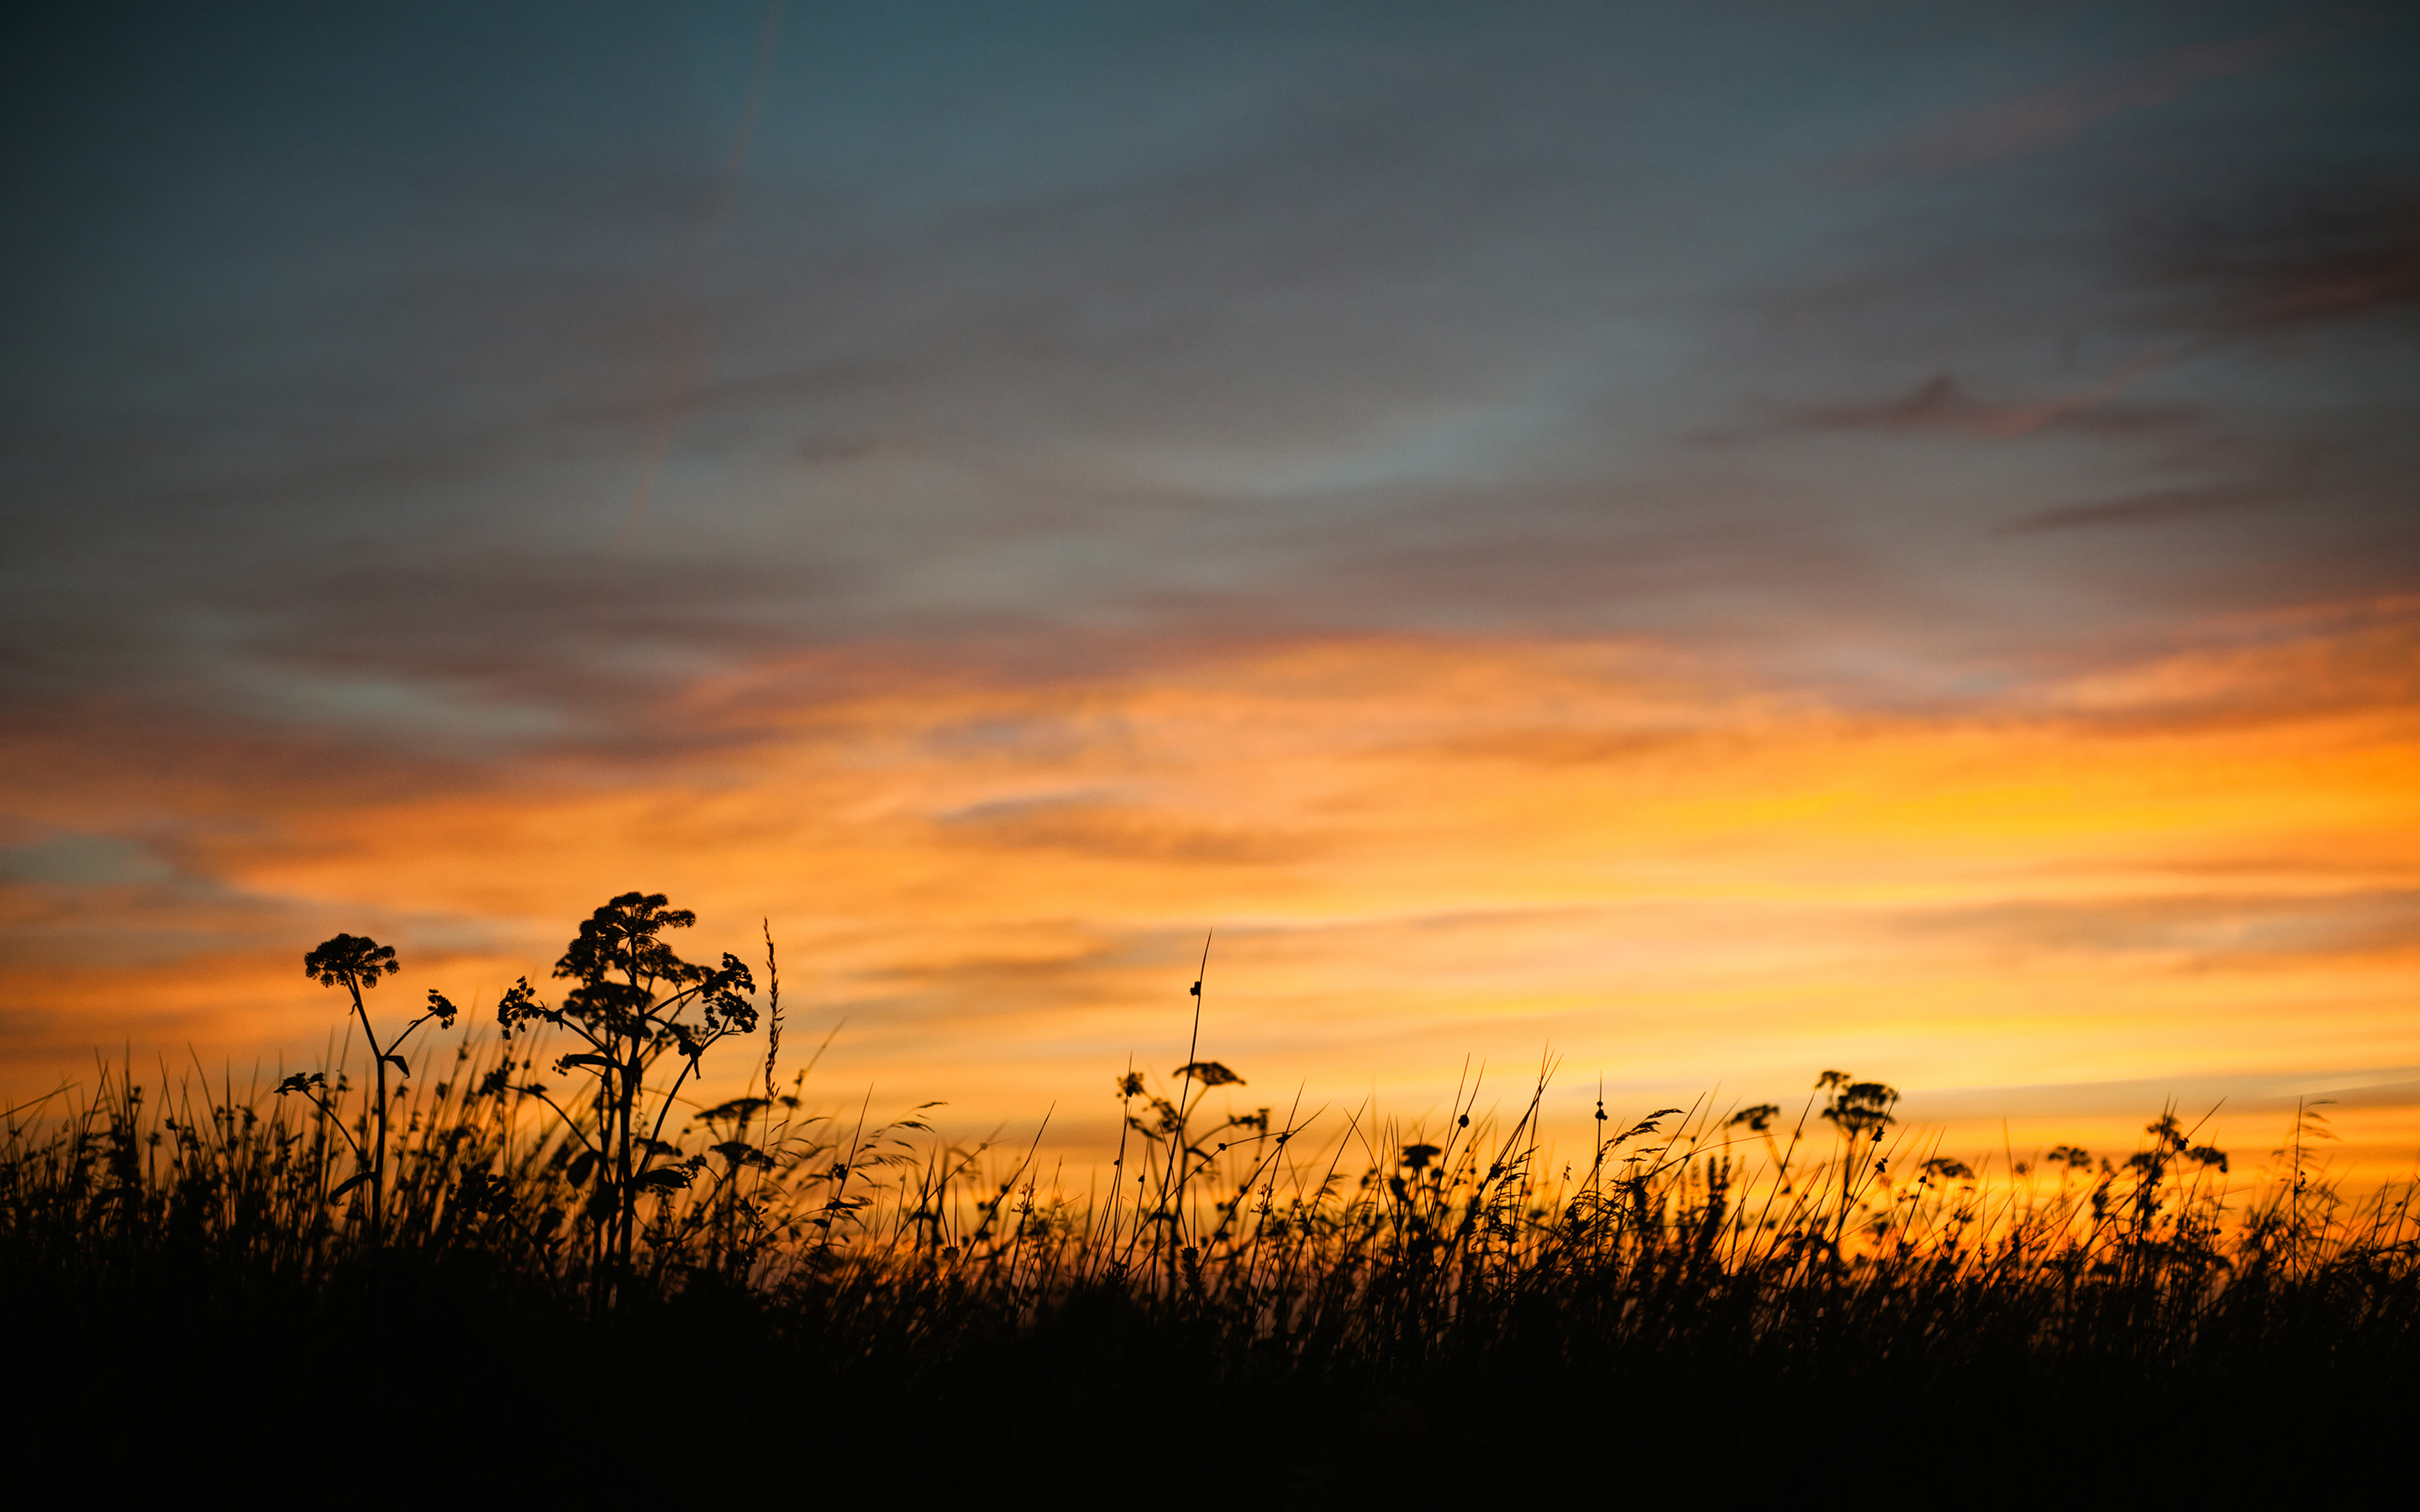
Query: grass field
<point x="532" y="1233"/>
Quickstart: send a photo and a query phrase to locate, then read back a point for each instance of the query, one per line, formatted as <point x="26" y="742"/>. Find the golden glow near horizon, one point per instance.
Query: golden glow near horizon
<point x="2194" y="868"/>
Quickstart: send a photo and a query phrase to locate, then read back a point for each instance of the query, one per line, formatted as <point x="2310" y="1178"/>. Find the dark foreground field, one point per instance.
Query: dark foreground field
<point x="542" y="1267"/>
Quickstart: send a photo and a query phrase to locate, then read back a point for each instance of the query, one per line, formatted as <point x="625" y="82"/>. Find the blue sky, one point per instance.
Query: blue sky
<point x="1963" y="336"/>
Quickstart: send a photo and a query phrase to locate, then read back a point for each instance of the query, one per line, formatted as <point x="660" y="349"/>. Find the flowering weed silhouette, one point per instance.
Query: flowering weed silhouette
<point x="632" y="1008"/>
<point x="355" y="962"/>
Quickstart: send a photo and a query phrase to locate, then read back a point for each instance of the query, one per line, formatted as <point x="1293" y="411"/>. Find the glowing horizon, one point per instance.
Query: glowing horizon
<point x="1498" y="849"/>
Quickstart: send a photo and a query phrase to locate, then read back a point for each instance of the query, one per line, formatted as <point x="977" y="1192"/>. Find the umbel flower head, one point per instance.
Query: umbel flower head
<point x="351" y="960"/>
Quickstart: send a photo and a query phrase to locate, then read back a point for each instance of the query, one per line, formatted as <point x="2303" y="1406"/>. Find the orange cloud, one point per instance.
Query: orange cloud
<point x="2203" y="864"/>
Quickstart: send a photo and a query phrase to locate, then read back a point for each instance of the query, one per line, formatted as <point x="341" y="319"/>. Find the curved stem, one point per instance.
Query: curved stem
<point x="321" y="1104"/>
<point x="377" y="1158"/>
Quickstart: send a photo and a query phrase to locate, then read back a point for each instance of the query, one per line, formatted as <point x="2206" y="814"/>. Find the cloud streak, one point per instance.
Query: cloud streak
<point x="2056" y="115"/>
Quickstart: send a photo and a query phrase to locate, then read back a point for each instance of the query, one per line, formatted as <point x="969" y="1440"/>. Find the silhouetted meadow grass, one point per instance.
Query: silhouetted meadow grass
<point x="534" y="1232"/>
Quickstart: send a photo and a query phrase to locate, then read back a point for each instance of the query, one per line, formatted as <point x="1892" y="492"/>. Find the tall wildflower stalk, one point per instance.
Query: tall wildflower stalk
<point x="354" y="963"/>
<point x="632" y="1009"/>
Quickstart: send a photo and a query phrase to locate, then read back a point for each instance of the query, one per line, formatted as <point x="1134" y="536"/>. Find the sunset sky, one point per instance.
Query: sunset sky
<point x="1713" y="542"/>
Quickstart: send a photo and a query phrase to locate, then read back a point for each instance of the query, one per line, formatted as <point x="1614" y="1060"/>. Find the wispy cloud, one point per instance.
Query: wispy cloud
<point x="2270" y="256"/>
<point x="2158" y="507"/>
<point x="1940" y="405"/>
<point x="2055" y="114"/>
